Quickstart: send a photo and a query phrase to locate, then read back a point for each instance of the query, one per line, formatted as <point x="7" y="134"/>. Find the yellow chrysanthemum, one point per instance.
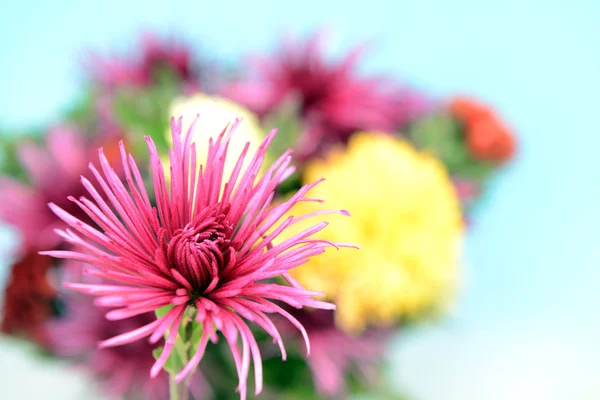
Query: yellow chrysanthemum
<point x="405" y="217"/>
<point x="215" y="113"/>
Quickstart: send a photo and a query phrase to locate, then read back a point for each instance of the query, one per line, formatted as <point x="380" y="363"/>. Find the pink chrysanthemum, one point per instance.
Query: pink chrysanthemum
<point x="207" y="247"/>
<point x="155" y="54"/>
<point x="333" y="102"/>
<point x="122" y="370"/>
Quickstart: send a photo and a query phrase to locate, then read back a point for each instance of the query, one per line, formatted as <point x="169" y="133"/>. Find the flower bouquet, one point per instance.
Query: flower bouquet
<point x="188" y="233"/>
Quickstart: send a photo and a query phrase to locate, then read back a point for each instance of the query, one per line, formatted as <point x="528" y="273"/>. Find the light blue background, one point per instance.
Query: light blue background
<point x="533" y="255"/>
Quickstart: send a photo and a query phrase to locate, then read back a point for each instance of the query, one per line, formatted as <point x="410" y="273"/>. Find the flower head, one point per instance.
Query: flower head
<point x="332" y="101"/>
<point x="54" y="171"/>
<point x="207" y="249"/>
<point x="123" y="370"/>
<point x="156" y="54"/>
<point x="407" y="219"/>
<point x="28" y="297"/>
<point x="488" y="137"/>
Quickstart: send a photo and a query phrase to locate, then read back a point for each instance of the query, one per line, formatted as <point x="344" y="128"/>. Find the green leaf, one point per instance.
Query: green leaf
<point x="443" y="136"/>
<point x="161" y="312"/>
<point x="83" y="112"/>
<point x="10" y="141"/>
<point x="290" y="185"/>
<point x="195" y="336"/>
<point x="145" y="111"/>
<point x="157" y="352"/>
<point x="174" y="364"/>
<point x="287" y="120"/>
<point x="475" y="170"/>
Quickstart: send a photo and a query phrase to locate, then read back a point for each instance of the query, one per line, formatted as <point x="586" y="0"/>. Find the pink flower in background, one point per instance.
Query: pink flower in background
<point x="142" y="71"/>
<point x="335" y="353"/>
<point x="207" y="248"/>
<point x="123" y="370"/>
<point x="54" y="169"/>
<point x="333" y="102"/>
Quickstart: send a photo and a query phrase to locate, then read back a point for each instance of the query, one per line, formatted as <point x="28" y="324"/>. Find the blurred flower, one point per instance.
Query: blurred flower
<point x="156" y="55"/>
<point x="331" y="100"/>
<point x="335" y="353"/>
<point x="215" y="113"/>
<point x="28" y="298"/>
<point x="54" y="170"/>
<point x="203" y="250"/>
<point x="124" y="369"/>
<point x="405" y="216"/>
<point x="488" y="137"/>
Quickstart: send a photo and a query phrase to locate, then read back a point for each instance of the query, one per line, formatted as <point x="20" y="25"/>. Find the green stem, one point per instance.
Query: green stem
<point x="181" y="390"/>
<point x="178" y="391"/>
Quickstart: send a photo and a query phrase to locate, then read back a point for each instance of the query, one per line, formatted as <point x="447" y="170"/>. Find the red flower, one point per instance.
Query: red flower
<point x="488" y="137"/>
<point x="28" y="297"/>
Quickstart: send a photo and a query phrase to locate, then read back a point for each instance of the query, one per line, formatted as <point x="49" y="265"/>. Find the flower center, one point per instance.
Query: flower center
<point x="198" y="252"/>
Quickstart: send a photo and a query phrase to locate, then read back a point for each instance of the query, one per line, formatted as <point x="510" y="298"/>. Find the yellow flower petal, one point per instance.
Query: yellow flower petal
<point x="407" y="220"/>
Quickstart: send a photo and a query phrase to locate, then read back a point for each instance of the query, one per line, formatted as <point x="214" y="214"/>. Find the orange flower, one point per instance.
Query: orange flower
<point x="488" y="137"/>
